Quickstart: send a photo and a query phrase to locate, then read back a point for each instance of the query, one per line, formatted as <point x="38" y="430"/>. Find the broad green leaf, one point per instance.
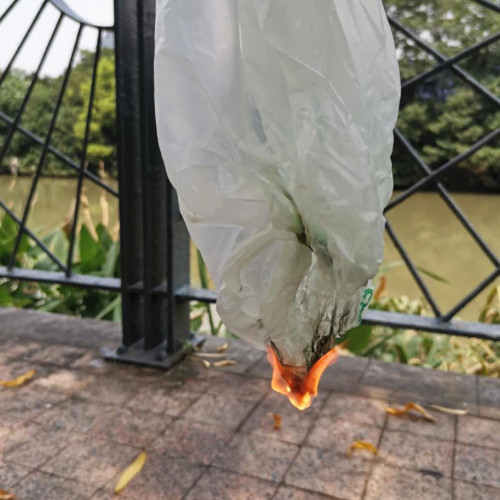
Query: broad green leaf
<point x="357" y="339"/>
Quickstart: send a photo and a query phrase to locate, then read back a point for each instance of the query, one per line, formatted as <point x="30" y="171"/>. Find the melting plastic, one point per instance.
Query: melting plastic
<point x="275" y="122"/>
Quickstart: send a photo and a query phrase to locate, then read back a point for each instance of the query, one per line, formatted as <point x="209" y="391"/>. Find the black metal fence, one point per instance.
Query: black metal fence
<point x="155" y="278"/>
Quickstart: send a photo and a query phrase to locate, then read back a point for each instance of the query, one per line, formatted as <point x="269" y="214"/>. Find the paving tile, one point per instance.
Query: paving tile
<point x="11" y="473"/>
<point x="244" y="354"/>
<point x="334" y="434"/>
<point x="32" y="444"/>
<point x="443" y="427"/>
<point x="257" y="456"/>
<point x="237" y="386"/>
<point x="344" y="375"/>
<point x="480" y="465"/>
<point x="219" y="410"/>
<point x="66" y="381"/>
<point x="40" y="485"/>
<point x="291" y="493"/>
<point x="194" y="441"/>
<point x="441" y="388"/>
<point x="76" y="415"/>
<point x="164" y="478"/>
<point x="261" y="369"/>
<point x="390" y="483"/>
<point x="28" y="402"/>
<point x="130" y="426"/>
<point x="417" y="452"/>
<point x="18" y="349"/>
<point x="472" y="491"/>
<point x="218" y="484"/>
<point x="166" y="401"/>
<point x="61" y="355"/>
<point x="111" y="389"/>
<point x="329" y="473"/>
<point x="295" y="424"/>
<point x="489" y="397"/>
<point x="478" y="431"/>
<point x="355" y="408"/>
<point x="91" y="460"/>
<point x="13" y="369"/>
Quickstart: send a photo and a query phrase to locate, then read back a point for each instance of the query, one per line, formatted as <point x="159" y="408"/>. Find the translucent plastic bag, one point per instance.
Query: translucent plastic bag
<point x="275" y="121"/>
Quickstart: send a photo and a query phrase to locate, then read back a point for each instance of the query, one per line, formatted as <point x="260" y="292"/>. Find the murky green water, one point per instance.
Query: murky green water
<point x="432" y="235"/>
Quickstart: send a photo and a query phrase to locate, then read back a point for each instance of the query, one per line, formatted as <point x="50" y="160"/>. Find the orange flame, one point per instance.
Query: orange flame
<point x="298" y="384"/>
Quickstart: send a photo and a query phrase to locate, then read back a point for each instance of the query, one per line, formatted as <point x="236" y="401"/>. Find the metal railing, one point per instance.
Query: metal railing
<point x="155" y="281"/>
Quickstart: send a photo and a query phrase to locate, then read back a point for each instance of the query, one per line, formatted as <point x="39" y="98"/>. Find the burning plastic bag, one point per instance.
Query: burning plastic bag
<point x="275" y="122"/>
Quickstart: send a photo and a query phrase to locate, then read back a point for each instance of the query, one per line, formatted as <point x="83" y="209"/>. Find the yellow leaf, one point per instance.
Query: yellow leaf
<point x="6" y="495"/>
<point x="362" y="445"/>
<point x="226" y="362"/>
<point x="277" y="422"/>
<point x="451" y="411"/>
<point x="19" y="380"/>
<point x="223" y="347"/>
<point x="130" y="472"/>
<point x="398" y="412"/>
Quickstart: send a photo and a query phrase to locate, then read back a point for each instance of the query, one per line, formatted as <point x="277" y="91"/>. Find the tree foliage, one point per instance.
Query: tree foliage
<point x="443" y="116"/>
<point x="70" y="126"/>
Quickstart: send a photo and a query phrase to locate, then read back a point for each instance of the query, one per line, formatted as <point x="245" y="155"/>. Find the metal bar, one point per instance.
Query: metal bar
<point x="440" y="57"/>
<point x="433" y="325"/>
<point x="43" y="156"/>
<point x="83" y="160"/>
<point x="443" y="168"/>
<point x="471" y="295"/>
<point x="129" y="168"/>
<point x="448" y="200"/>
<point x="170" y="270"/>
<point x="68" y="161"/>
<point x="385" y="318"/>
<point x="154" y="188"/>
<point x="413" y="270"/>
<point x="14" y="125"/>
<point x="20" y="46"/>
<point x="411" y="82"/>
<point x="488" y="4"/>
<point x="59" y="278"/>
<point x="62" y="6"/>
<point x="32" y="235"/>
<point x="7" y="10"/>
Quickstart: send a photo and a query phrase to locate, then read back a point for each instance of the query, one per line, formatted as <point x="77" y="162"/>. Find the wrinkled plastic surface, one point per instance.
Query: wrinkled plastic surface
<point x="275" y="121"/>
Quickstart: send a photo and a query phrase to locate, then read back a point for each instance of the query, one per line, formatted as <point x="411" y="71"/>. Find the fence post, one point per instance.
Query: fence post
<point x="154" y="239"/>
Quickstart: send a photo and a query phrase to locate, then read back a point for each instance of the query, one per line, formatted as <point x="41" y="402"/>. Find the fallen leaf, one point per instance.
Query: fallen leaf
<point x="362" y="445"/>
<point x="398" y="412"/>
<point x="206" y="363"/>
<point x="223" y="347"/>
<point x="6" y="495"/>
<point x="130" y="472"/>
<point x="226" y="362"/>
<point x="277" y="422"/>
<point x="19" y="380"/>
<point x="451" y="411"/>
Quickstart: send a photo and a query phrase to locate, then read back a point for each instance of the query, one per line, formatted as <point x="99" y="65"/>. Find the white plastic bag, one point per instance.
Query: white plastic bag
<point x="275" y="121"/>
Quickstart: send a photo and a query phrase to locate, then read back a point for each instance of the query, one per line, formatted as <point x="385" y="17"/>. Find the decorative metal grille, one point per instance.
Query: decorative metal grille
<point x="155" y="246"/>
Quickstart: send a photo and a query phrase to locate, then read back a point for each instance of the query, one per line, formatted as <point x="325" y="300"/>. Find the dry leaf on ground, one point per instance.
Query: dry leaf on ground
<point x="277" y="422"/>
<point x="226" y="362"/>
<point x="209" y="355"/>
<point x="130" y="472"/>
<point x="19" y="380"/>
<point x="451" y="411"/>
<point x="223" y="347"/>
<point x="398" y="412"/>
<point x="6" y="495"/>
<point x="362" y="445"/>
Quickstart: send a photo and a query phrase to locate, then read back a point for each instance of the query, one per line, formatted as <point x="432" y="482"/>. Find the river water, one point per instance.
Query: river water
<point x="434" y="238"/>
